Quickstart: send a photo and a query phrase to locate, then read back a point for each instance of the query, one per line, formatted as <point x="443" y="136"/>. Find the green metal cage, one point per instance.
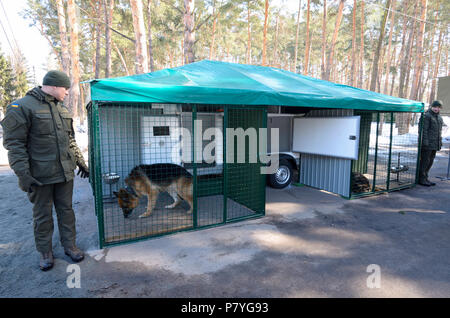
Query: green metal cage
<point x="123" y="136"/>
<point x="389" y="148"/>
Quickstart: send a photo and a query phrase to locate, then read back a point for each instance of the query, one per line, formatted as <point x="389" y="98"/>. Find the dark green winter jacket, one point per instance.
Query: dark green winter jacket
<point x="432" y="131"/>
<point x="39" y="137"/>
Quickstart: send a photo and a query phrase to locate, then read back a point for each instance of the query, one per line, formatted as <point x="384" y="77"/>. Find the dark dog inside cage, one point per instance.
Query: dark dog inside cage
<point x="150" y="180"/>
<point x="360" y="183"/>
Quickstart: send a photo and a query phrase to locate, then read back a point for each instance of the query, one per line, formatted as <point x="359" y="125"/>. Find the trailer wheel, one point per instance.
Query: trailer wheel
<point x="283" y="176"/>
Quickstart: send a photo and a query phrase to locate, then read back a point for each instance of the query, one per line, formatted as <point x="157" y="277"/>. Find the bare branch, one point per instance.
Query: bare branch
<point x="174" y="7"/>
<point x="198" y="26"/>
<point x="102" y="22"/>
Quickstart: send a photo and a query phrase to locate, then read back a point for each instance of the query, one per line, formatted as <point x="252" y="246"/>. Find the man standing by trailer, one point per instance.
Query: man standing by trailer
<point x="39" y="137"/>
<point x="431" y="141"/>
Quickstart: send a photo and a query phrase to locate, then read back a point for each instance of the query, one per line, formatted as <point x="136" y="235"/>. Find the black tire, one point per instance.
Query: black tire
<point x="283" y="177"/>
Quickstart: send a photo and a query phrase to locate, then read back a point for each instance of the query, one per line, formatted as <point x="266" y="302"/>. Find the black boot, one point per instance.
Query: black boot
<point x="75" y="253"/>
<point x="46" y="261"/>
<point x="425" y="183"/>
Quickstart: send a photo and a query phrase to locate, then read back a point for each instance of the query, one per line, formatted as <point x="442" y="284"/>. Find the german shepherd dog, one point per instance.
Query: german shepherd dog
<point x="150" y="180"/>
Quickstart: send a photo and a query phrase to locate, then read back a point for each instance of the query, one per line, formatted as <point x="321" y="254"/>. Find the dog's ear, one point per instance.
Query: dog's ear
<point x="116" y="194"/>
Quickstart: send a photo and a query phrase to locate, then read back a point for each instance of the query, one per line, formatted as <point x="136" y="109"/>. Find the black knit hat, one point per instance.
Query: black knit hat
<point x="56" y="78"/>
<point x="436" y="103"/>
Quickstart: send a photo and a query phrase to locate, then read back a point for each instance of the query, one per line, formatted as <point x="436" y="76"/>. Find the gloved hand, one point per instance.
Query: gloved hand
<point x="83" y="170"/>
<point x="26" y="181"/>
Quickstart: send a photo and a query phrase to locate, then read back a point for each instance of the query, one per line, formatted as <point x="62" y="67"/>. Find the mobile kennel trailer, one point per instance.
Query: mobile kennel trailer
<point x="340" y="148"/>
<point x="132" y="119"/>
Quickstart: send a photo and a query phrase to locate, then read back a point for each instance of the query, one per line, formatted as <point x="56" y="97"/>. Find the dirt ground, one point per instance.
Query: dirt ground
<point x="310" y="244"/>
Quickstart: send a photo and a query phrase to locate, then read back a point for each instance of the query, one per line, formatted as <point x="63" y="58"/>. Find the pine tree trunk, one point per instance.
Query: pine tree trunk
<point x="150" y="45"/>
<point x="324" y="40"/>
<point x="388" y="62"/>
<point x="141" y="58"/>
<point x="98" y="39"/>
<point x="403" y="118"/>
<point x="333" y="42"/>
<point x="402" y="48"/>
<point x="249" y="38"/>
<point x="367" y="82"/>
<point x="430" y="55"/>
<point x="418" y="65"/>
<point x="213" y="36"/>
<point x="296" y="35"/>
<point x="380" y="70"/>
<point x="380" y="126"/>
<point x="266" y="15"/>
<point x="306" y="61"/>
<point x="74" y="92"/>
<point x="409" y="61"/>
<point x="361" y="50"/>
<point x="109" y="9"/>
<point x="275" y="53"/>
<point x="353" y="68"/>
<point x="393" y="73"/>
<point x="65" y="57"/>
<point x="436" y="68"/>
<point x="404" y="69"/>
<point x="374" y="78"/>
<point x="189" y="32"/>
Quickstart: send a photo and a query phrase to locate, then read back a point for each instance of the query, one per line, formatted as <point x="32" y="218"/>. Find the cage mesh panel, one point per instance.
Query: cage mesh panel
<point x="360" y="165"/>
<point x="404" y="153"/>
<point x="383" y="151"/>
<point x="388" y="150"/>
<point x="130" y="136"/>
<point x="245" y="183"/>
<point x="209" y="174"/>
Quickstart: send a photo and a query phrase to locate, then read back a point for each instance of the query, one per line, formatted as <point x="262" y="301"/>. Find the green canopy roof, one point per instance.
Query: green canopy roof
<point x="213" y="82"/>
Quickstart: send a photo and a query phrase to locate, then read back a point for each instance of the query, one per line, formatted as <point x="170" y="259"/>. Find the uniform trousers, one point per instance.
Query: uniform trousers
<point x="44" y="198"/>
<point x="426" y="161"/>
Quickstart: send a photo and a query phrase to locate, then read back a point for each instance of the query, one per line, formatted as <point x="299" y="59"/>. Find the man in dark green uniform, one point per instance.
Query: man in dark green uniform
<point x="39" y="137"/>
<point x="431" y="141"/>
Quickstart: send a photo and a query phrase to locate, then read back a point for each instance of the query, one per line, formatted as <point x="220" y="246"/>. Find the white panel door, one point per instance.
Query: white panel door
<point x="159" y="140"/>
<point x="327" y="136"/>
